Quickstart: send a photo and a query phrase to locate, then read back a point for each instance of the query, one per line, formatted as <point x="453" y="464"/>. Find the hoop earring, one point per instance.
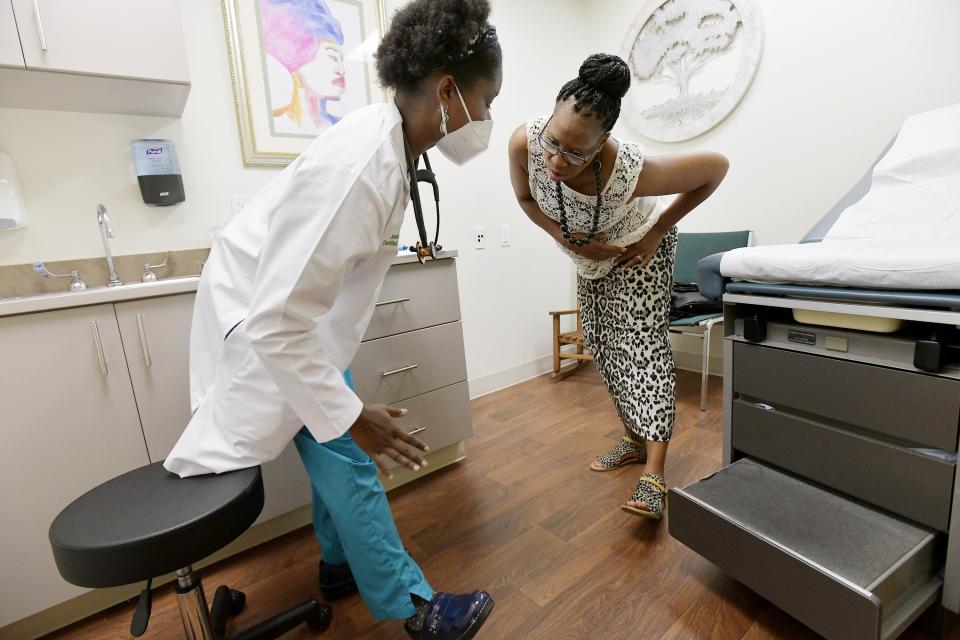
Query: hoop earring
<point x="444" y="116"/>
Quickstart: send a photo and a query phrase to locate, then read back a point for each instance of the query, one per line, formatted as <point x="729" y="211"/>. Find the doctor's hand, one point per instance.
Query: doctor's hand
<point x="596" y="250"/>
<point x="377" y="433"/>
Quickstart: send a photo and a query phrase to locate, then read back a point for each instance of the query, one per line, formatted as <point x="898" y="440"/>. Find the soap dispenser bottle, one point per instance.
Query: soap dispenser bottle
<point x="158" y="171"/>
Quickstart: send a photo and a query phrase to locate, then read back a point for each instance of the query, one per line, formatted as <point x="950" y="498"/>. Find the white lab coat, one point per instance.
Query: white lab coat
<point x="299" y="268"/>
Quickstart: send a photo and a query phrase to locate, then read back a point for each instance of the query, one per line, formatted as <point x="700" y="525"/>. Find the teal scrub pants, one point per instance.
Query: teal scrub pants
<point x="354" y="524"/>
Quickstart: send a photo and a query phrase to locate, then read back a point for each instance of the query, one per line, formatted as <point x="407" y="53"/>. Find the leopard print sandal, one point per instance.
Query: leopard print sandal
<point x="627" y="451"/>
<point x="652" y="489"/>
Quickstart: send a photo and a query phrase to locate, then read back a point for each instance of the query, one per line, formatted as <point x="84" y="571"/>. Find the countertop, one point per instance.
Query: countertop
<point x="33" y="303"/>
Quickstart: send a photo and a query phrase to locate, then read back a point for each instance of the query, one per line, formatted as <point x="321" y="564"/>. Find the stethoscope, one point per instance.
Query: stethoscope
<point x="424" y="248"/>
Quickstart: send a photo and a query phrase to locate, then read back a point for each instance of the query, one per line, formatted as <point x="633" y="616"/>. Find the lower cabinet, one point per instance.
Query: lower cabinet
<point x="69" y="423"/>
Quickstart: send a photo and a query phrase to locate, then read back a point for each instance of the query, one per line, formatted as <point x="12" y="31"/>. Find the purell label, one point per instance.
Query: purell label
<point x="156" y="151"/>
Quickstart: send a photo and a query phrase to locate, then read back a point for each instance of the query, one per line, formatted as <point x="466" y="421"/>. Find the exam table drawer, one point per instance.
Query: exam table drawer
<point x="415" y="296"/>
<point x="892" y="477"/>
<point x="439" y="418"/>
<point x="392" y="369"/>
<point x="915" y="407"/>
<point x="847" y="571"/>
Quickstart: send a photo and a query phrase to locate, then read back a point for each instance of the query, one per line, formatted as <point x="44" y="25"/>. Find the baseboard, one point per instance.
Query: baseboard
<point x="491" y="382"/>
<point x="499" y="380"/>
<point x="693" y="361"/>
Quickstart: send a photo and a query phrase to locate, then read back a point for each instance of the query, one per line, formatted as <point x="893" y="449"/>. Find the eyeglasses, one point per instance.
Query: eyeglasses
<point x="552" y="149"/>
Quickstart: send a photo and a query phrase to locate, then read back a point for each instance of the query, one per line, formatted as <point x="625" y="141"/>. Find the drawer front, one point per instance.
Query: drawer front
<point x="439" y="418"/>
<point x="392" y="369"/>
<point x="910" y="406"/>
<point x="415" y="296"/>
<point x="894" y="478"/>
<point x="847" y="571"/>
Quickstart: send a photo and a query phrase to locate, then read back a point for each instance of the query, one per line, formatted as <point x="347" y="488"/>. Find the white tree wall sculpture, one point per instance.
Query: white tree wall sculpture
<point x="672" y="41"/>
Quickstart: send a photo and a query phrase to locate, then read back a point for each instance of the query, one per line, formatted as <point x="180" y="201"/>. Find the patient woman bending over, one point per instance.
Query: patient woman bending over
<point x="598" y="197"/>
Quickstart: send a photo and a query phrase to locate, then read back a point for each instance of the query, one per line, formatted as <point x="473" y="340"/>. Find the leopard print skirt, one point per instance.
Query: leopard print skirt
<point x="626" y="317"/>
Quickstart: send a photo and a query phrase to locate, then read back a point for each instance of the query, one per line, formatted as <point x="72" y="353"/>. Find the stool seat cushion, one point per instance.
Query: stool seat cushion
<point x="149" y="522"/>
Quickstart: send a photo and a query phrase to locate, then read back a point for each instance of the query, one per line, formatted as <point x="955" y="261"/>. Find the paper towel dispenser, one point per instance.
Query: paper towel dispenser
<point x="13" y="211"/>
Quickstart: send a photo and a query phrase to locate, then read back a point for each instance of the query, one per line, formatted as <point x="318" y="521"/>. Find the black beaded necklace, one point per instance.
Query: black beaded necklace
<point x="565" y="228"/>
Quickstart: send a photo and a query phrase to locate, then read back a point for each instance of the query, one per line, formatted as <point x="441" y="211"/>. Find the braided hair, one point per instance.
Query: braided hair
<point x="598" y="89"/>
<point x="430" y="36"/>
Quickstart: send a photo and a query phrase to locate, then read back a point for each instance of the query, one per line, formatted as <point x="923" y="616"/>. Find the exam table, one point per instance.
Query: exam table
<point x="838" y="499"/>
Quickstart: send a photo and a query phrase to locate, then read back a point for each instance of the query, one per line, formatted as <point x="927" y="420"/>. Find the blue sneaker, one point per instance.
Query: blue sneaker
<point x="450" y="617"/>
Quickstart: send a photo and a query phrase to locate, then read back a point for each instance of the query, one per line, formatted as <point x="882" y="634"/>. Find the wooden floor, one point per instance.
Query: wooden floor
<point x="525" y="518"/>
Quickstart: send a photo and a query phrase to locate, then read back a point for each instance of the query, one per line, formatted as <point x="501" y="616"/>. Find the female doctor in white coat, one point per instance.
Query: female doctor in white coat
<point x="288" y="291"/>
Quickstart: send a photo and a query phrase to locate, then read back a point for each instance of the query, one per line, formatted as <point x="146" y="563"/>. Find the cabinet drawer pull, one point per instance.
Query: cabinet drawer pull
<point x="416" y="431"/>
<point x="143" y="342"/>
<point x="409" y="367"/>
<point x="39" y="19"/>
<point x="96" y="340"/>
<point x="389" y="302"/>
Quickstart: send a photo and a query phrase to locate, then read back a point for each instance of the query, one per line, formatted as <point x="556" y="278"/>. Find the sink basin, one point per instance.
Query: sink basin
<point x="89" y="290"/>
<point x="50" y="300"/>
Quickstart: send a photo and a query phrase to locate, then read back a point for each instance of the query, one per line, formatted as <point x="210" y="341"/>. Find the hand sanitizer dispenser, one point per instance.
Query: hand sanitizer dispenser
<point x="13" y="212"/>
<point x="158" y="171"/>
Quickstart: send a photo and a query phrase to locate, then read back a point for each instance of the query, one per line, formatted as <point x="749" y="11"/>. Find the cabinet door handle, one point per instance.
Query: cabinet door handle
<point x="416" y="431"/>
<point x="39" y="19"/>
<point x="409" y="367"/>
<point x="96" y="340"/>
<point x="389" y="302"/>
<point x="143" y="342"/>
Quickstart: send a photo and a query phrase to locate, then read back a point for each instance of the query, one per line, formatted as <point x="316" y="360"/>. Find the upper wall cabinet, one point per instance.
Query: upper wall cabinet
<point x="108" y="56"/>
<point x="10" y="53"/>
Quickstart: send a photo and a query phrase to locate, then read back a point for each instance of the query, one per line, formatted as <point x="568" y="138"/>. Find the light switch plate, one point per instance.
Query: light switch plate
<point x="504" y="235"/>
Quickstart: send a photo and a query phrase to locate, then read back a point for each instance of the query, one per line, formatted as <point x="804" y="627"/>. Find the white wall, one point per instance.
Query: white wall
<point x="68" y="162"/>
<point x="836" y="79"/>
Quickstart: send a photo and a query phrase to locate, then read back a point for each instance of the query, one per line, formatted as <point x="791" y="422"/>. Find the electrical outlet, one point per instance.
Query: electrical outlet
<point x="480" y="238"/>
<point x="504" y="235"/>
<point x="239" y="202"/>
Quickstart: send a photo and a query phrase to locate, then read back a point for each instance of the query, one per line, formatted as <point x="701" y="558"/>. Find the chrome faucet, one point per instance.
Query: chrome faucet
<point x="106" y="231"/>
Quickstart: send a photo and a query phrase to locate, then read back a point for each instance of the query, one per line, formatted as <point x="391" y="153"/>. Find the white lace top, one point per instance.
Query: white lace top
<point x="624" y="218"/>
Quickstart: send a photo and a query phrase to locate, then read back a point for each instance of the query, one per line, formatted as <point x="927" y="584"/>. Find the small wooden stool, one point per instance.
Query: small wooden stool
<point x="561" y="339"/>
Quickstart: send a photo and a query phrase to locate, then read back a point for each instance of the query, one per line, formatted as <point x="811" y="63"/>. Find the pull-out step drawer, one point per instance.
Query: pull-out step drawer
<point x="846" y="570"/>
<point x="875" y="471"/>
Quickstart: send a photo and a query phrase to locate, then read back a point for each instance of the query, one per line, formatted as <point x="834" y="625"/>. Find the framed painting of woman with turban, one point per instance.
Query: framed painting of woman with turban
<point x="298" y="67"/>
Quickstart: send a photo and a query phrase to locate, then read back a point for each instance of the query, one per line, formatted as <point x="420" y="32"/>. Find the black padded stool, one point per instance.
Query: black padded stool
<point x="148" y="523"/>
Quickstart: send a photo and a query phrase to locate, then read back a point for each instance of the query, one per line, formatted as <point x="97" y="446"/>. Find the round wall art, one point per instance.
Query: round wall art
<point x="692" y="62"/>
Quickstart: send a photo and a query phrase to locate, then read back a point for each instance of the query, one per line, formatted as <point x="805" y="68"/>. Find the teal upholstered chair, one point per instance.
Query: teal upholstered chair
<point x="691" y="248"/>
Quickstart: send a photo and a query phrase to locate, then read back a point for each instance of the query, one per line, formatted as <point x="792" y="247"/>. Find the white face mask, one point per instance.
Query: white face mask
<point x="468" y="141"/>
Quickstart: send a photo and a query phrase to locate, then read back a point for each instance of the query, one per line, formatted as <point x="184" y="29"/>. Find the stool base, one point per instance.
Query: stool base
<point x="201" y="623"/>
